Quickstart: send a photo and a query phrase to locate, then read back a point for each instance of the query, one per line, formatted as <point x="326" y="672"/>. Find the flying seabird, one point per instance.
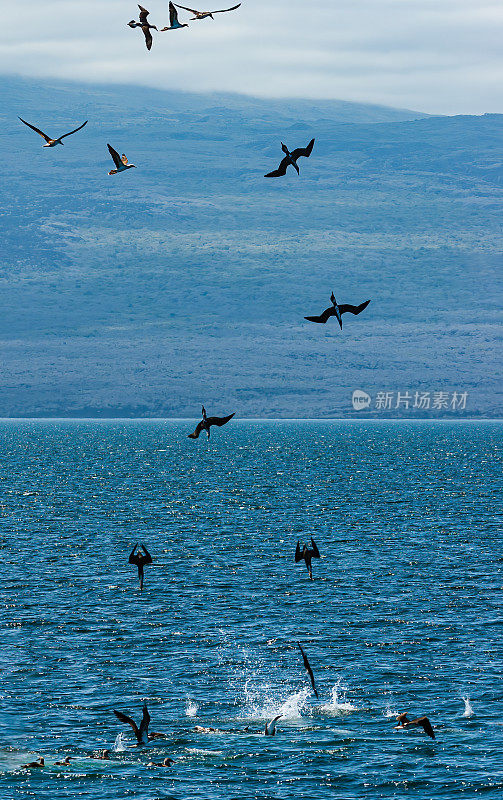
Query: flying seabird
<point x="336" y="311"/>
<point x="120" y="162"/>
<point x="144" y="25"/>
<point x="291" y="158"/>
<point x="52" y="142"/>
<point x="307" y="554"/>
<point x="141" y="733"/>
<point x="140" y="560"/>
<point x="173" y="20"/>
<point x="309" y="670"/>
<point x="34" y="764"/>
<point x="270" y="727"/>
<point x="422" y="722"/>
<point x="207" y="422"/>
<point x="204" y="14"/>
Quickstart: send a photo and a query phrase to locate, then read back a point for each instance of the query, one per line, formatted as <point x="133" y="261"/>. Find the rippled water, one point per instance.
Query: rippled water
<point x="403" y="613"/>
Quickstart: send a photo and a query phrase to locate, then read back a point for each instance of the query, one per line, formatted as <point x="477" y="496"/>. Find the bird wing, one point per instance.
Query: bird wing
<point x="219" y="420"/>
<point x="303" y="151"/>
<point x="426" y="724"/>
<point x="223" y="10"/>
<point x="309" y="670"/>
<point x="298" y="553"/>
<point x="276" y="173"/>
<point x="144" y="723"/>
<point x="329" y="312"/>
<point x="115" y="156"/>
<point x="353" y="309"/>
<point x="41" y="133"/>
<point x="147" y="35"/>
<point x="125" y="718"/>
<point x="186" y="8"/>
<point x="316" y="552"/>
<point x="143" y="13"/>
<point x="173" y="15"/>
<point x="75" y="131"/>
<point x="197" y="431"/>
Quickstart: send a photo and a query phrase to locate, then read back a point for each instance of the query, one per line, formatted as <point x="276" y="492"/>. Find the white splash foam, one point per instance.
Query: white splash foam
<point x="468" y="712"/>
<point x="389" y="713"/>
<point x="291" y="708"/>
<point x="338" y="705"/>
<point x="118" y="746"/>
<point x="191" y="709"/>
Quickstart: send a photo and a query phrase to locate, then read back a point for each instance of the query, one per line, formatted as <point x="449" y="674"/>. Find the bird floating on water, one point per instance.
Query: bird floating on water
<point x="421" y="722"/>
<point x="207" y="422"/>
<point x="38" y="764"/>
<point x="168" y="762"/>
<point x="173" y="20"/>
<point x="120" y="162"/>
<point x="308" y="670"/>
<point x="306" y="554"/>
<point x="270" y="727"/>
<point x="144" y="25"/>
<point x="64" y="763"/>
<point x="291" y="158"/>
<point x="205" y="14"/>
<point x="336" y="310"/>
<point x="52" y="142"/>
<point x="140" y="560"/>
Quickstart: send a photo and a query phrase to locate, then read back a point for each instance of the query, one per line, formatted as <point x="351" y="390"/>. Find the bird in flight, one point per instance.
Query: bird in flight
<point x="120" y="162"/>
<point x="421" y="722"/>
<point x="336" y="310"/>
<point x="291" y="158"/>
<point x="173" y="20"/>
<point x="144" y="25"/>
<point x="306" y="554"/>
<point x="308" y="670"/>
<point x="52" y="142"/>
<point x="207" y="422"/>
<point x="205" y="14"/>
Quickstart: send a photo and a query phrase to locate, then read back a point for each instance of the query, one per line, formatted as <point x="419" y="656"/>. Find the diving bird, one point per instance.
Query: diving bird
<point x="52" y="142"/>
<point x="291" y="158"/>
<point x="144" y="25"/>
<point x="270" y="727"/>
<point x="141" y="732"/>
<point x="336" y="310"/>
<point x="204" y="14"/>
<point x="207" y="422"/>
<point x="306" y="554"/>
<point x="421" y="722"/>
<point x="140" y="560"/>
<point x="39" y="763"/>
<point x="308" y="670"/>
<point x="173" y="20"/>
<point x="120" y="162"/>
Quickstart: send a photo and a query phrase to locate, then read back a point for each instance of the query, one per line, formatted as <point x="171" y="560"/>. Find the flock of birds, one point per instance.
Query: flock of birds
<point x="139" y="556"/>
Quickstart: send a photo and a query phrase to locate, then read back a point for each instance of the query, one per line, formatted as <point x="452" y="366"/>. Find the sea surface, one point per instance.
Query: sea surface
<point x="403" y="613"/>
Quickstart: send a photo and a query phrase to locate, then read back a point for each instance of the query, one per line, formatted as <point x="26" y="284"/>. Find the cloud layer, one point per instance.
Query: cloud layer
<point x="438" y="56"/>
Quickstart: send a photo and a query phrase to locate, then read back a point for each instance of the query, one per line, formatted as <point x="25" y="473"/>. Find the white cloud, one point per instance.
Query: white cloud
<point x="439" y="56"/>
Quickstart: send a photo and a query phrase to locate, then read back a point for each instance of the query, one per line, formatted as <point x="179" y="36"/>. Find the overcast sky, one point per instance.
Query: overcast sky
<point x="438" y="56"/>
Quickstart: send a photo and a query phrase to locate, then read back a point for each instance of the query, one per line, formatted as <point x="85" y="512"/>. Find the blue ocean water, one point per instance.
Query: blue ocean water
<point x="403" y="613"/>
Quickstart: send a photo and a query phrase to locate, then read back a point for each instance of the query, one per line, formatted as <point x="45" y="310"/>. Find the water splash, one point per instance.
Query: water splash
<point x="118" y="746"/>
<point x="389" y="713"/>
<point x="291" y="708"/>
<point x="191" y="709"/>
<point x="468" y="712"/>
<point x="338" y="705"/>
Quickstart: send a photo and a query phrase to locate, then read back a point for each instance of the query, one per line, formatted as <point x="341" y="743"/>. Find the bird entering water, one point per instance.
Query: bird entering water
<point x="120" y="162"/>
<point x="306" y="554"/>
<point x="140" y="560"/>
<point x="205" y="14"/>
<point x="173" y="20"/>
<point x="270" y="727"/>
<point x="141" y="732"/>
<point x="52" y="142"/>
<point x="207" y="422"/>
<point x="291" y="158"/>
<point x="421" y="722"/>
<point x="309" y="670"/>
<point x="336" y="310"/>
<point x="144" y="25"/>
